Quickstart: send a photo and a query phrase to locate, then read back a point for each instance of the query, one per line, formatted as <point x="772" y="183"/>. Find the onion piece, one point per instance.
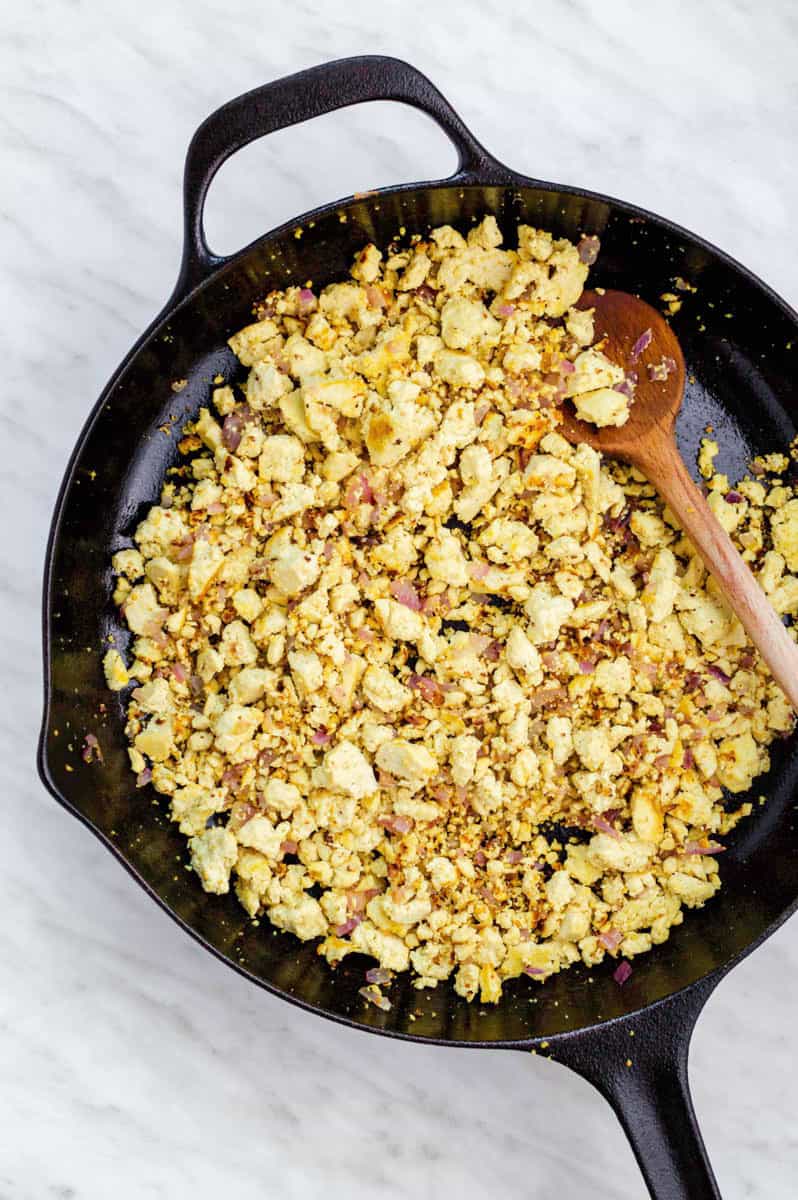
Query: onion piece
<point x="379" y="975"/>
<point x="588" y="249"/>
<point x="396" y="823"/>
<point x="232" y="431"/>
<point x="710" y="848"/>
<point x="533" y="971"/>
<point x="144" y="777"/>
<point x="374" y="996"/>
<point x="717" y="673"/>
<point x="610" y="939"/>
<point x="321" y="737"/>
<point x="404" y="593"/>
<point x="306" y="302"/>
<point x="91" y="751"/>
<point x="602" y="824"/>
<point x="640" y="345"/>
<point x="347" y="926"/>
<point x="622" y="972"/>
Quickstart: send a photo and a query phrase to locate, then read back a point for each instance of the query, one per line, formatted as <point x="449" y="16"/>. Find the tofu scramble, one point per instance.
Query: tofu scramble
<point x="420" y="679"/>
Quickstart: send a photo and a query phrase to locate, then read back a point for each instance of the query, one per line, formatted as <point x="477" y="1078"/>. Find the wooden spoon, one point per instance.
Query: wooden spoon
<point x="648" y="442"/>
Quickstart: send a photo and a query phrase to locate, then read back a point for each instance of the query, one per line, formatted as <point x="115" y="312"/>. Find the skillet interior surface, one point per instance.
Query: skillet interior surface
<point x="738" y="342"/>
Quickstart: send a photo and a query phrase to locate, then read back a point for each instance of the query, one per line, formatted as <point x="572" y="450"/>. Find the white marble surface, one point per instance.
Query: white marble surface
<point x="133" y="1064"/>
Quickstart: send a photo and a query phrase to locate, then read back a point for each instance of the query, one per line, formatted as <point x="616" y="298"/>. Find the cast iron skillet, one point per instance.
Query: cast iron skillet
<point x="735" y="334"/>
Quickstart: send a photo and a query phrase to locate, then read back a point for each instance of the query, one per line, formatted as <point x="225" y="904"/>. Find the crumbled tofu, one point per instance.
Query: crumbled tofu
<point x="347" y="770"/>
<point x="213" y="856"/>
<point x="116" y="675"/>
<point x="602" y="407"/>
<point x="388" y="647"/>
<point x="406" y="760"/>
<point x="382" y="689"/>
<point x="294" y="570"/>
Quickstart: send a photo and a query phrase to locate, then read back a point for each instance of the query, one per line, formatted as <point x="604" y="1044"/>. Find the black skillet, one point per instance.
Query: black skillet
<point x="736" y="334"/>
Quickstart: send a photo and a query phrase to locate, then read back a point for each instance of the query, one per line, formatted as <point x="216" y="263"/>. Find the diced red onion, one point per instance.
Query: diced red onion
<point x="396" y="824"/>
<point x="622" y="972"/>
<point x="266" y="757"/>
<point x="588" y="249"/>
<point x="533" y="971"/>
<point x="688" y="761"/>
<point x="144" y="777"/>
<point x="587" y="665"/>
<point x="231" y="776"/>
<point x="431" y="690"/>
<point x="718" y="674"/>
<point x="179" y="672"/>
<point x="358" y="491"/>
<point x="425" y="292"/>
<point x="487" y="895"/>
<point x="709" y="849"/>
<point x="734" y="498"/>
<point x="232" y="430"/>
<point x="514" y="857"/>
<point x="493" y="651"/>
<point x="625" y="387"/>
<point x="659" y="372"/>
<point x="306" y="302"/>
<point x="404" y="593"/>
<point x="375" y="297"/>
<point x="566" y="367"/>
<point x="379" y="975"/>
<point x="357" y="901"/>
<point x="375" y="997"/>
<point x="611" y="939"/>
<point x="183" y="550"/>
<point x="640" y="345"/>
<point x="478" y="570"/>
<point x="604" y="826"/>
<point x="747" y="660"/>
<point x="289" y="846"/>
<point x="91" y="749"/>
<point x="480" y="858"/>
<point x="480" y="412"/>
<point x="321" y="737"/>
<point x="505" y="310"/>
<point x="344" y="929"/>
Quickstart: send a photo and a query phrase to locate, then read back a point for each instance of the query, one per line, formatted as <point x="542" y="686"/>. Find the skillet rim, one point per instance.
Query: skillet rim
<point x="700" y="988"/>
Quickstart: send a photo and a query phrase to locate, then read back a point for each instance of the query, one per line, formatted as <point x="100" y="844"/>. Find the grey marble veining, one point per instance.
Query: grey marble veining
<point x="133" y="1064"/>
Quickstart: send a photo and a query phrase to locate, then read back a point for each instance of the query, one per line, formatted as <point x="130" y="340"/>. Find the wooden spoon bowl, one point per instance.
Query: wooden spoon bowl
<point x="647" y="441"/>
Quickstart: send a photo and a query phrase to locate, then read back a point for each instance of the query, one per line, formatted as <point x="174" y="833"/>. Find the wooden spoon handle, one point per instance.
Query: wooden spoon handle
<point x="666" y="470"/>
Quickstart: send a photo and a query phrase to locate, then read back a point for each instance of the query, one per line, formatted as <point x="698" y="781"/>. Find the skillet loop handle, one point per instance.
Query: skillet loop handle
<point x="298" y="98"/>
<point x="639" y="1064"/>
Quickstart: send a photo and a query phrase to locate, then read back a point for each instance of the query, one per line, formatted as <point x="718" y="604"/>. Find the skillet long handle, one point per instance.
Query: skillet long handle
<point x="296" y="98"/>
<point x="666" y="470"/>
<point x="639" y="1064"/>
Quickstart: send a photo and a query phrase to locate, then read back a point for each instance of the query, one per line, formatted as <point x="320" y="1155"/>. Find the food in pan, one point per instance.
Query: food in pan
<point x="419" y="678"/>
